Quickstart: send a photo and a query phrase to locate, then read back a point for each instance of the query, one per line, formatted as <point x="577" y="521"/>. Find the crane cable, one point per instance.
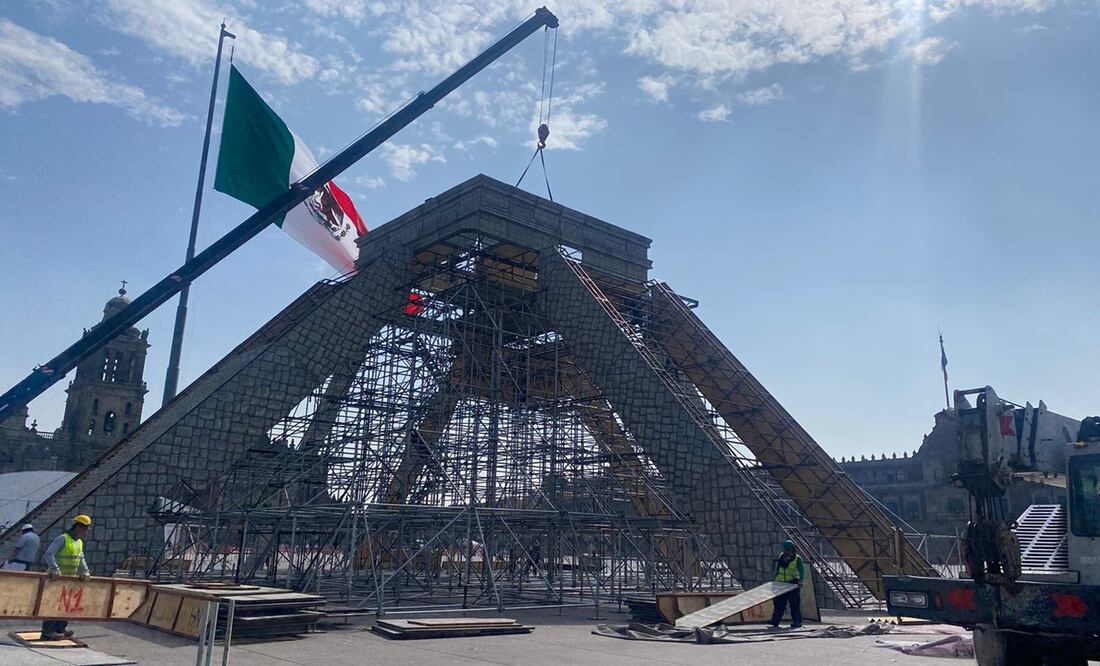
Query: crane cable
<point x="546" y="100"/>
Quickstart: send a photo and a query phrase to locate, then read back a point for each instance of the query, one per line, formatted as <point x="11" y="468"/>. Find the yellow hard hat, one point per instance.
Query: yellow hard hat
<point x="83" y="519"/>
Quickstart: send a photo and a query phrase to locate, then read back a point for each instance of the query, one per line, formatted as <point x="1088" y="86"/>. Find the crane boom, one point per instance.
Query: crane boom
<point x="44" y="376"/>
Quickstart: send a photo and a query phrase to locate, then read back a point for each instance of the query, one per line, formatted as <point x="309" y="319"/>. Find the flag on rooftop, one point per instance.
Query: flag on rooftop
<point x="260" y="157"/>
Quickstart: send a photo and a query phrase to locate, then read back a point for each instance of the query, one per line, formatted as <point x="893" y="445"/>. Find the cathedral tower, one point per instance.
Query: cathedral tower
<point x="106" y="396"/>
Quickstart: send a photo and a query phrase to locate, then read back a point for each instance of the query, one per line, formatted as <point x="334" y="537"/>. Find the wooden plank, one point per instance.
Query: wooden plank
<point x="165" y="609"/>
<point x="141" y="615"/>
<point x="68" y="598"/>
<point x="33" y="639"/>
<point x="128" y="598"/>
<point x="720" y="611"/>
<point x="189" y="616"/>
<point x="18" y="594"/>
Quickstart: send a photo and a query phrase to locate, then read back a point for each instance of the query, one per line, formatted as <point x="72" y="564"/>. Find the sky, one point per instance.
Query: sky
<point x="834" y="180"/>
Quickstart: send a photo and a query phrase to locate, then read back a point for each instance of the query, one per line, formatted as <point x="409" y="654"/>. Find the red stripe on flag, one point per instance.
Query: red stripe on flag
<point x="348" y="207"/>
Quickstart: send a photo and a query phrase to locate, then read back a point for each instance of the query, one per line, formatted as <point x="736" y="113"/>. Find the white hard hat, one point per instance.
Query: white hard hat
<point x="28" y="526"/>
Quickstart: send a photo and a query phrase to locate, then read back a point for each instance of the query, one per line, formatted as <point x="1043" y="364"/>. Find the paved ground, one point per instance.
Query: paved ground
<point x="558" y="640"/>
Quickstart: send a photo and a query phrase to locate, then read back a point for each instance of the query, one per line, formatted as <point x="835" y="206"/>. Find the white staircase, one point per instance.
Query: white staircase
<point x="1041" y="530"/>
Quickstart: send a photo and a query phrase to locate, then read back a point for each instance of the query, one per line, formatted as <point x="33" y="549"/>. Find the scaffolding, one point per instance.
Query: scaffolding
<point x="463" y="461"/>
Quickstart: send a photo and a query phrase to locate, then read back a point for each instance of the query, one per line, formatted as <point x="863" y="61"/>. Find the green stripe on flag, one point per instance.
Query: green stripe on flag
<point x="256" y="148"/>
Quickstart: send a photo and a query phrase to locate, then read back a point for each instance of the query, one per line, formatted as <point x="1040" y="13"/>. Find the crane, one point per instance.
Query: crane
<point x="1020" y="614"/>
<point x="49" y="373"/>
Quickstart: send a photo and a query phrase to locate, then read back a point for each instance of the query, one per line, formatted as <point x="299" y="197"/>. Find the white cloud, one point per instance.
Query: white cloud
<point x="949" y="7"/>
<point x="34" y="67"/>
<point x="930" y="51"/>
<point x="719" y="38"/>
<point x="368" y="182"/>
<point x="380" y="95"/>
<point x="438" y="37"/>
<point x="352" y="10"/>
<point x="187" y="29"/>
<point x="569" y="127"/>
<point x="484" y="139"/>
<point x="404" y="158"/>
<point x="715" y="114"/>
<point x="656" y="87"/>
<point x="1028" y="29"/>
<point x="761" y="96"/>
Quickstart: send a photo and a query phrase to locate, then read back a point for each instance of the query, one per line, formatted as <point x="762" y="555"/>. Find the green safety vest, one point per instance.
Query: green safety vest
<point x="69" y="555"/>
<point x="788" y="573"/>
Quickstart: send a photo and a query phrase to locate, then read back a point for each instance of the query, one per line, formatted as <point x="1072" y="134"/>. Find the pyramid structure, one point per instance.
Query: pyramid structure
<point x="499" y="389"/>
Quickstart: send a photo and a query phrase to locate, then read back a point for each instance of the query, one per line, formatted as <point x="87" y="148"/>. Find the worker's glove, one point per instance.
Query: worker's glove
<point x="53" y="573"/>
<point x="82" y="576"/>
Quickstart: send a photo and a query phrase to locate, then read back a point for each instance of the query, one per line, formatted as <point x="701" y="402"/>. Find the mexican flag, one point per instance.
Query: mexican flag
<point x="259" y="158"/>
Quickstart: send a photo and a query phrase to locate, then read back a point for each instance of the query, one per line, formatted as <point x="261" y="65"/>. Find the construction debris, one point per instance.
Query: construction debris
<point x="957" y="646"/>
<point x="667" y="633"/>
<point x="448" y="627"/>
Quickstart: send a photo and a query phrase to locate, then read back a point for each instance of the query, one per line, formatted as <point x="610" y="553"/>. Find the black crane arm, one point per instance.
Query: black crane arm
<point x="44" y="376"/>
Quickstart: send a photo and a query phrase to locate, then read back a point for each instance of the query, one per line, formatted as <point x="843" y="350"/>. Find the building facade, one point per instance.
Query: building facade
<point x="105" y="401"/>
<point x="917" y="487"/>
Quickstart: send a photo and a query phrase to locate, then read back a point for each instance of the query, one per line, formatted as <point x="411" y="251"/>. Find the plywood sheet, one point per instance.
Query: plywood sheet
<point x="141" y="615"/>
<point x="32" y="594"/>
<point x="70" y="598"/>
<point x="128" y="597"/>
<point x="720" y="611"/>
<point x="34" y="639"/>
<point x="18" y="594"/>
<point x="165" y="608"/>
<point x="189" y="616"/>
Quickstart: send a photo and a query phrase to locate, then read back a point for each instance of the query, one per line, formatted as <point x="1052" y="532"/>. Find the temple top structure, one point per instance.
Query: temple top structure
<point x="486" y="206"/>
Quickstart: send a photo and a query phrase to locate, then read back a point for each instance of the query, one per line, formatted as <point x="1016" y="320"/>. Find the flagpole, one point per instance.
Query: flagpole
<point x="171" y="377"/>
<point x="943" y="366"/>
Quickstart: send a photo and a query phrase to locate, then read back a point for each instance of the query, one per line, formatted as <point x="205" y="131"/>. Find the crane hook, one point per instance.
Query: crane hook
<point x="544" y="134"/>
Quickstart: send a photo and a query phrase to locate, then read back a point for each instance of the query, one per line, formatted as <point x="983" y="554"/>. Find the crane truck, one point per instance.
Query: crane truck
<point x="1020" y="613"/>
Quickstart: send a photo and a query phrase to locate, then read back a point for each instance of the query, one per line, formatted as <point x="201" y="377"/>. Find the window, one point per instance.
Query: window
<point x="129" y="407"/>
<point x="91" y="428"/>
<point x="912" y="508"/>
<point x="109" y="422"/>
<point x="1084" y="495"/>
<point x="955" y="505"/>
<point x="125" y="428"/>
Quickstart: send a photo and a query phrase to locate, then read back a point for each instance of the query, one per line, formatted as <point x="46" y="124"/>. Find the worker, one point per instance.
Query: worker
<point x="26" y="550"/>
<point x="789" y="569"/>
<point x="65" y="557"/>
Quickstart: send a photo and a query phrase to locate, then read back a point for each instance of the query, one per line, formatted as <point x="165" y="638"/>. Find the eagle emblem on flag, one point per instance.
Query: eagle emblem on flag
<point x="326" y="210"/>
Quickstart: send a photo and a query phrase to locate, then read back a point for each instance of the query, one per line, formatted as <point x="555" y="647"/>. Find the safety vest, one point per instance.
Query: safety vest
<point x="69" y="555"/>
<point x="788" y="573"/>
